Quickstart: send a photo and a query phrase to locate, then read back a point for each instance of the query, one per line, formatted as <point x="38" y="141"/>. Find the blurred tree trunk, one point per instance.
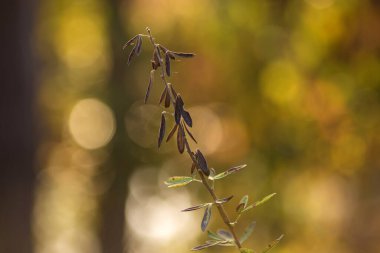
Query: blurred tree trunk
<point x="17" y="137"/>
<point x="121" y="160"/>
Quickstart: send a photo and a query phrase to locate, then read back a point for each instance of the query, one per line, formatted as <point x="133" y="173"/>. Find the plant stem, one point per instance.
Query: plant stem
<point x="220" y="207"/>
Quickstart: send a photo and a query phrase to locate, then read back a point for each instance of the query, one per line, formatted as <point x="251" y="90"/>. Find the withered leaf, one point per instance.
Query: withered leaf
<point x="129" y="42"/>
<point x="193" y="208"/>
<point x="187" y="118"/>
<point x="180" y="139"/>
<point x="192" y="168"/>
<point x="183" y="55"/>
<point x="131" y="55"/>
<point x="206" y="217"/>
<point x="171" y="55"/>
<point x="173" y="92"/>
<point x="138" y="45"/>
<point x="171" y="133"/>
<point x="224" y="200"/>
<point x="202" y="164"/>
<point x="167" y="99"/>
<point x="163" y="94"/>
<point x="167" y="64"/>
<point x="156" y="59"/>
<point x="151" y="78"/>
<point x="206" y="245"/>
<point x="178" y="109"/>
<point x="190" y="134"/>
<point x="162" y="130"/>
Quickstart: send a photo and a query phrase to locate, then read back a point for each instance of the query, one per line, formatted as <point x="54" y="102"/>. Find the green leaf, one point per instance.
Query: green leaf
<point x="272" y="244"/>
<point x="206" y="217"/>
<point x="265" y="199"/>
<point x="248" y="231"/>
<point x="245" y="250"/>
<point x="206" y="245"/>
<point x="178" y="181"/>
<point x="214" y="236"/>
<point x="229" y="171"/>
<point x="225" y="234"/>
<point x="242" y="204"/>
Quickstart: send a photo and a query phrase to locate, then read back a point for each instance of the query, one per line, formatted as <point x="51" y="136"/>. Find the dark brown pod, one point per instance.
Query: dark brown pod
<point x="161" y="132"/>
<point x="202" y="164"/>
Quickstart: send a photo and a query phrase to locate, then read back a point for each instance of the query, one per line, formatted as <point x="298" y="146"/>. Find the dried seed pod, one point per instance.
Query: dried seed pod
<point x="192" y="168"/>
<point x="161" y="132"/>
<point x="171" y="55"/>
<point x="202" y="164"/>
<point x="131" y="55"/>
<point x="163" y="94"/>
<point x="151" y="77"/>
<point x="129" y="42"/>
<point x="181" y="139"/>
<point x="172" y="132"/>
<point x="167" y="64"/>
<point x="156" y="59"/>
<point x="190" y="134"/>
<point x="187" y="118"/>
<point x="173" y="92"/>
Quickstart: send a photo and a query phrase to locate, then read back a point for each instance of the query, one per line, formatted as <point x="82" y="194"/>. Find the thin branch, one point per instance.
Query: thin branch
<point x="220" y="207"/>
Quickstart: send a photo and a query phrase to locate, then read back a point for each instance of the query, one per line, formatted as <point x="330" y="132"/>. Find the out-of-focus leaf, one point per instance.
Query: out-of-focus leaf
<point x="224" y="200"/>
<point x="138" y="45"/>
<point x="245" y="250"/>
<point x="129" y="42"/>
<point x="230" y="171"/>
<point x="242" y="203"/>
<point x="187" y="118"/>
<point x="272" y="244"/>
<point x="225" y="234"/>
<point x="131" y="55"/>
<point x="161" y="132"/>
<point x="204" y="246"/>
<point x="178" y="181"/>
<point x="173" y="92"/>
<point x="193" y="208"/>
<point x="151" y="78"/>
<point x="202" y="164"/>
<point x="183" y="55"/>
<point x="214" y="236"/>
<point x="265" y="199"/>
<point x="192" y="169"/>
<point x="206" y="217"/>
<point x="172" y="132"/>
<point x="248" y="231"/>
<point x="181" y="139"/>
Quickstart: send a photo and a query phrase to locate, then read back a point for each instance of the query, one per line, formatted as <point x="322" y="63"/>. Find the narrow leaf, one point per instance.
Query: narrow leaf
<point x="190" y="134"/>
<point x="230" y="171"/>
<point x="151" y="77"/>
<point x="163" y="94"/>
<point x="183" y="55"/>
<point x="206" y="217"/>
<point x="138" y="45"/>
<point x="180" y="139"/>
<point x="178" y="181"/>
<point x="224" y="200"/>
<point x="172" y="132"/>
<point x="131" y="55"/>
<point x="161" y="132"/>
<point x="248" y="231"/>
<point x="192" y="168"/>
<point x="178" y="109"/>
<point x="173" y="92"/>
<point x="225" y="234"/>
<point x="272" y="244"/>
<point x="167" y="64"/>
<point x="206" y="245"/>
<point x="187" y="118"/>
<point x="129" y="42"/>
<point x="156" y="60"/>
<point x="214" y="236"/>
<point x="202" y="164"/>
<point x="171" y="55"/>
<point x="242" y="204"/>
<point x="193" y="208"/>
<point x="167" y="100"/>
<point x="265" y="199"/>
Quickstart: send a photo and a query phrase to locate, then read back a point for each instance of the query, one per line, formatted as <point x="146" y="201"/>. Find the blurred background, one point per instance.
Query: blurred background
<point x="291" y="88"/>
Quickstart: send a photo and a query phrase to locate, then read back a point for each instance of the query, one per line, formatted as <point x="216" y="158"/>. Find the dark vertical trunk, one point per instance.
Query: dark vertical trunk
<point x="17" y="138"/>
<point x="121" y="160"/>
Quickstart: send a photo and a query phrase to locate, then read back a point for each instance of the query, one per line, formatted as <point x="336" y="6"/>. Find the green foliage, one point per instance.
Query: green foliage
<point x="178" y="181"/>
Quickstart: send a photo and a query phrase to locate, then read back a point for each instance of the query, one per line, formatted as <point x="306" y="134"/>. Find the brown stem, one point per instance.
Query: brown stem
<point x="220" y="207"/>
